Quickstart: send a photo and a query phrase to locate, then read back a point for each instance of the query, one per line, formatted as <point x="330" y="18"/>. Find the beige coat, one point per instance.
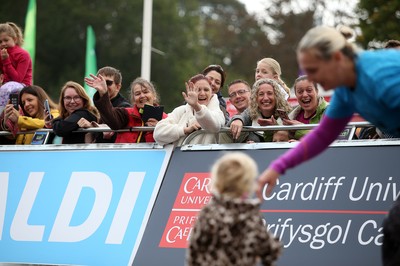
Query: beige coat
<point x="171" y="129"/>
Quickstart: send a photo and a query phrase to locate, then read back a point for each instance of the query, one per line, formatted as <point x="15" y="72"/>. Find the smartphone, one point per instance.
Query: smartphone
<point x="47" y="108"/>
<point x="14" y="100"/>
<point x="282" y="114"/>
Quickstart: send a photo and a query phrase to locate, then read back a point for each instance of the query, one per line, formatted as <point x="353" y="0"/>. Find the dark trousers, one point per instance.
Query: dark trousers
<point x="391" y="236"/>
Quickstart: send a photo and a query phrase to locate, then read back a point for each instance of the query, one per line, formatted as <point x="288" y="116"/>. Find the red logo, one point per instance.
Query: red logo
<point x="192" y="196"/>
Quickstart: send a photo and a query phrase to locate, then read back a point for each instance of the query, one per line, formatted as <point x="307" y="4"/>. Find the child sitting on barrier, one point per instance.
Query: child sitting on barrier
<point x="229" y="229"/>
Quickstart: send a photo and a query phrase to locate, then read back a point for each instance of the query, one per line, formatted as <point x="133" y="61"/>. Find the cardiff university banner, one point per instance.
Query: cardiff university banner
<point x="192" y="196"/>
<point x="80" y="207"/>
<point x="329" y="211"/>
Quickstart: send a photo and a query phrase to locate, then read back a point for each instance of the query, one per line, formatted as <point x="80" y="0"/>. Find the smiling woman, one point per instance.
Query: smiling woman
<point x="202" y="111"/>
<point x="32" y="115"/>
<point x="311" y="106"/>
<point x="266" y="98"/>
<point x="74" y="105"/>
<point x="143" y="93"/>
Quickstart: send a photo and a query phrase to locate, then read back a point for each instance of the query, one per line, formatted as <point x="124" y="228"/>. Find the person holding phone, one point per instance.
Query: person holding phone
<point x="31" y="114"/>
<point x="310" y="108"/>
<point x="14" y="100"/>
<point x="143" y="92"/>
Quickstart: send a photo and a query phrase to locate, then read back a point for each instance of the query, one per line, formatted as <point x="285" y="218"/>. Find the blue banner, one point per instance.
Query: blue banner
<point x="76" y="207"/>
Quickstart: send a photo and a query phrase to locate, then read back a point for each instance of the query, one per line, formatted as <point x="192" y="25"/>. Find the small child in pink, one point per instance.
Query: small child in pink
<point x="15" y="62"/>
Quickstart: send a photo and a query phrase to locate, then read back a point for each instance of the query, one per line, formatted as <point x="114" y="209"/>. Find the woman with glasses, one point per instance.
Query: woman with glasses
<point x="266" y="97"/>
<point x="74" y="105"/>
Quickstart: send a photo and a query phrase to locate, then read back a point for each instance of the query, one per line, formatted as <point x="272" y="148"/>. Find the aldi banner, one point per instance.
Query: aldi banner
<point x="328" y="211"/>
<point x="80" y="207"/>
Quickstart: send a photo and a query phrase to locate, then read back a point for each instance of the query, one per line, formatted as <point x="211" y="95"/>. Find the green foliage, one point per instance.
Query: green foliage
<point x="232" y="38"/>
<point x="187" y="35"/>
<point x="379" y="21"/>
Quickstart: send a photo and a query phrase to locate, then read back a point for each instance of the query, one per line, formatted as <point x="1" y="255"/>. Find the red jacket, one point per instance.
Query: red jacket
<point x="18" y="66"/>
<point x="135" y="120"/>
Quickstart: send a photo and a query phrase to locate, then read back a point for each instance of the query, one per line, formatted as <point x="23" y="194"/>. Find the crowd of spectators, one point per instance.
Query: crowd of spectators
<point x="263" y="104"/>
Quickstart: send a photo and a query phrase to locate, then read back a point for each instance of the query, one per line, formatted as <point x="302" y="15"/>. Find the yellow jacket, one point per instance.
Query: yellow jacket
<point x="26" y="123"/>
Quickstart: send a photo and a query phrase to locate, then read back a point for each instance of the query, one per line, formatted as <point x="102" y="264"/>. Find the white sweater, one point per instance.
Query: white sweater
<point x="171" y="129"/>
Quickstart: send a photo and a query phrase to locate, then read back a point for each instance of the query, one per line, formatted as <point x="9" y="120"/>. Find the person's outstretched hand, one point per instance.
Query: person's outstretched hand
<point x="191" y="96"/>
<point x="268" y="177"/>
<point x="97" y="82"/>
<point x="236" y="128"/>
<point x="267" y="121"/>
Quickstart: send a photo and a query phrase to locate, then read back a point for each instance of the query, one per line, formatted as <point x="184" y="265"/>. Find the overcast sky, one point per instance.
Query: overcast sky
<point x="253" y="5"/>
<point x="328" y="18"/>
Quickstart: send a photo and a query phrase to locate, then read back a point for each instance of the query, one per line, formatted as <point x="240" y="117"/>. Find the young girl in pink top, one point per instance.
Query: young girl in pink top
<point x="15" y="62"/>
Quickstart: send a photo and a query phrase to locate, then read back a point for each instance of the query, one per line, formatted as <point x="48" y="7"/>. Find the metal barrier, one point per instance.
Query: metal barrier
<point x="88" y="130"/>
<point x="352" y="126"/>
<point x="87" y="203"/>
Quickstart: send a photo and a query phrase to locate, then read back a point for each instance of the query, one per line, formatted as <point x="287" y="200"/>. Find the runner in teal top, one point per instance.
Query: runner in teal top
<point x="365" y="82"/>
<point x="376" y="95"/>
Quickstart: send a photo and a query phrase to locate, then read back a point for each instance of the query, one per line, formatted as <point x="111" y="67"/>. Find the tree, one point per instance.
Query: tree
<point x="232" y="38"/>
<point x="379" y="21"/>
<point x="188" y="35"/>
<point x="292" y="28"/>
<point x="286" y="21"/>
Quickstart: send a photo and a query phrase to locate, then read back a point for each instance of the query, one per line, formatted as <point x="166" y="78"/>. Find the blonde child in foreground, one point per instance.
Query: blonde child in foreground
<point x="229" y="229"/>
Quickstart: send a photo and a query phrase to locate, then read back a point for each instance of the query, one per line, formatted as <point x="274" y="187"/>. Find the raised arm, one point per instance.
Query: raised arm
<point x="310" y="146"/>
